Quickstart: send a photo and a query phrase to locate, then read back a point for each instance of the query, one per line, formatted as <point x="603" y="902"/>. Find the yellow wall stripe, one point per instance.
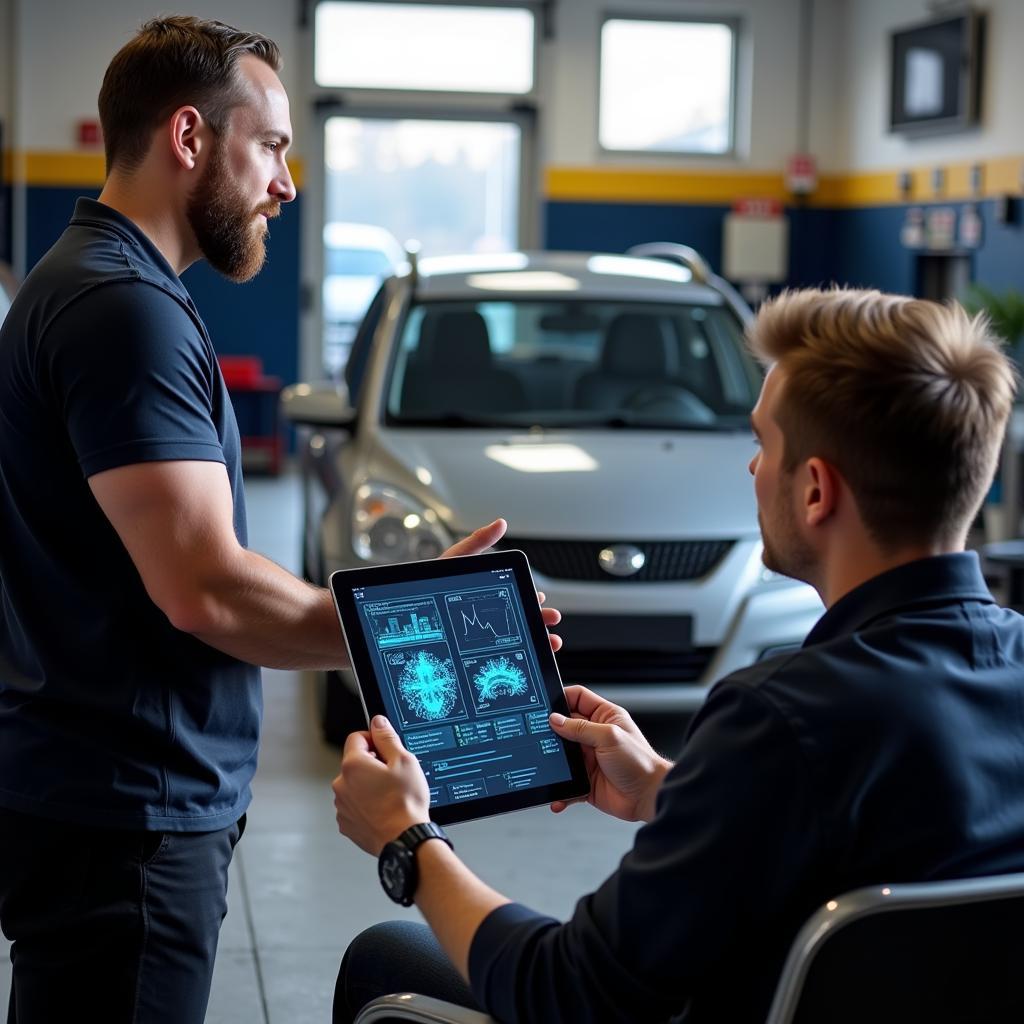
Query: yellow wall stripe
<point x="646" y="185"/>
<point x="1000" y="176"/>
<point x="77" y="169"/>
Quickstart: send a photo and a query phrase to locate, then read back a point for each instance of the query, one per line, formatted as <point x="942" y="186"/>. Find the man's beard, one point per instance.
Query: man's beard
<point x="223" y="223"/>
<point x="785" y="550"/>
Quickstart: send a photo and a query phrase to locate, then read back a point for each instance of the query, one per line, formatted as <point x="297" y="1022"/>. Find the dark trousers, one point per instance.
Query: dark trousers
<point x="111" y="925"/>
<point x="397" y="956"/>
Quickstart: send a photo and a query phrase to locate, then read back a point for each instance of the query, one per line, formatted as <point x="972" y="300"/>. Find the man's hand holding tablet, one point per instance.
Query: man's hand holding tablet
<point x="624" y="770"/>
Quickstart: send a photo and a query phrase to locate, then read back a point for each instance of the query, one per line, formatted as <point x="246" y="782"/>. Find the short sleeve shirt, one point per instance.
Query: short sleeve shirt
<point x="108" y="714"/>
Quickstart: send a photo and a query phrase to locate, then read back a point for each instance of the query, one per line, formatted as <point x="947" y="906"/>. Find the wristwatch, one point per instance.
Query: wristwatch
<point x="397" y="862"/>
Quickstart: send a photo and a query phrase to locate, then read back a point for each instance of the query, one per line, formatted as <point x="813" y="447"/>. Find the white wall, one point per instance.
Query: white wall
<point x="864" y="142"/>
<point x="64" y="47"/>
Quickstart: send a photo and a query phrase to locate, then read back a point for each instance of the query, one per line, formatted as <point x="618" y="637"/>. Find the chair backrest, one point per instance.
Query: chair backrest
<point x="934" y="952"/>
<point x="636" y="353"/>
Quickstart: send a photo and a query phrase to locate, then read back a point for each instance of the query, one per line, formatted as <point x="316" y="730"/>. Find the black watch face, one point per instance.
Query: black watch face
<point x="396" y="868"/>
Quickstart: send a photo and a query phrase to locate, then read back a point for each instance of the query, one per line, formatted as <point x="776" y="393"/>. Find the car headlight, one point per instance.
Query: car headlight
<point x="389" y="526"/>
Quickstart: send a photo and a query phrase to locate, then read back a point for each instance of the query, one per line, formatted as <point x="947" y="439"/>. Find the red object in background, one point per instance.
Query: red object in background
<point x="801" y="173"/>
<point x="88" y="133"/>
<point x="757" y="207"/>
<point x="241" y="371"/>
<point x="255" y="398"/>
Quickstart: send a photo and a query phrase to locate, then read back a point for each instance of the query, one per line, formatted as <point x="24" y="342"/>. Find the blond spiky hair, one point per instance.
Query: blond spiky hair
<point x="908" y="399"/>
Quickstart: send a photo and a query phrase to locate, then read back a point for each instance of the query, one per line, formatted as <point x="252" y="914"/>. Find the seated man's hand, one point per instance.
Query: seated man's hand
<point x="486" y="537"/>
<point x="625" y="771"/>
<point x="381" y="789"/>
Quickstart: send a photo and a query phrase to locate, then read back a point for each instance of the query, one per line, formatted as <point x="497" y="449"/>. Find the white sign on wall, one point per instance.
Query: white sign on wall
<point x="755" y="243"/>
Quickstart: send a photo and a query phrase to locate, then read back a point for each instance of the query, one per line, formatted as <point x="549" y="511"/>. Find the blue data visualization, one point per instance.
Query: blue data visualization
<point x="461" y="682"/>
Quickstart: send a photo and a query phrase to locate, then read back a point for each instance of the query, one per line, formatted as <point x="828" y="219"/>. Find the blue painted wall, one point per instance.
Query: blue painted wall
<point x="850" y="246"/>
<point x="259" y="318"/>
<point x="5" y="223"/>
<point x="614" y="227"/>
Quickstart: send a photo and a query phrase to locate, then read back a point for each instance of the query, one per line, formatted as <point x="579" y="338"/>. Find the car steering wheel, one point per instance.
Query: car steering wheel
<point x="670" y="399"/>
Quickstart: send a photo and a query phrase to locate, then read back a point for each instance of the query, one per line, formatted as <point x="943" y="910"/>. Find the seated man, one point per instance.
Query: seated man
<point x="886" y="749"/>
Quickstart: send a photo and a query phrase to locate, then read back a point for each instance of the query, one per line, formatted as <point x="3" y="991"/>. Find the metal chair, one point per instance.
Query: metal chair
<point x="935" y="952"/>
<point x="406" y="1006"/>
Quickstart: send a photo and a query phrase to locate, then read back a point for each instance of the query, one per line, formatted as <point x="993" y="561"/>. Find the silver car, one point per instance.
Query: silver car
<point x="600" y="403"/>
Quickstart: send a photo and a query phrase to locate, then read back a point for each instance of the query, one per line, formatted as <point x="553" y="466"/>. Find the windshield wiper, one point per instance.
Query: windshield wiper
<point x="449" y="419"/>
<point x="618" y="421"/>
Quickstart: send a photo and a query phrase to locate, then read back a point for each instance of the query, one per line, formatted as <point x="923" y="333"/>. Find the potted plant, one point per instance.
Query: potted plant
<point x="1005" y="310"/>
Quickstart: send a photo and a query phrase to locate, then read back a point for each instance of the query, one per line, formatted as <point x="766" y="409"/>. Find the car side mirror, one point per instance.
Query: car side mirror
<point x="320" y="404"/>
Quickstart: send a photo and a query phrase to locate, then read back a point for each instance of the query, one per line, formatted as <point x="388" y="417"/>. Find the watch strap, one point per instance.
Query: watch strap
<point x="416" y="834"/>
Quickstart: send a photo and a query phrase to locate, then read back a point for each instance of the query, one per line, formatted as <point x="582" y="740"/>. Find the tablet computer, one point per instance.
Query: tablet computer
<point x="455" y="653"/>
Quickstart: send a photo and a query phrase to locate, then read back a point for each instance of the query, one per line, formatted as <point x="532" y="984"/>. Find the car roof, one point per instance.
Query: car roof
<point x="561" y="275"/>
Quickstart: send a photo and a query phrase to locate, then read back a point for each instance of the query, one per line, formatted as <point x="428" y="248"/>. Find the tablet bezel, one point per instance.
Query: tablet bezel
<point x="344" y="581"/>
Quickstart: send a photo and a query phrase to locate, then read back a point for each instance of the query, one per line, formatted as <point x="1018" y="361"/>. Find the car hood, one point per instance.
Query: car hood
<point x="592" y="484"/>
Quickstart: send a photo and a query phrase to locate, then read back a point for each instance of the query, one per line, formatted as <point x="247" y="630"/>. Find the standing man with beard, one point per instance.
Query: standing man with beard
<point x="886" y="749"/>
<point x="131" y="614"/>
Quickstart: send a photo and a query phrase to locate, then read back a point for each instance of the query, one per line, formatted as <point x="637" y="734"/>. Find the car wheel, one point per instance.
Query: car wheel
<point x="341" y="710"/>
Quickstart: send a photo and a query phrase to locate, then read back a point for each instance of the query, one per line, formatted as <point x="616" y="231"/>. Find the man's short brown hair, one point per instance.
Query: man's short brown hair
<point x="170" y="63"/>
<point x="908" y="399"/>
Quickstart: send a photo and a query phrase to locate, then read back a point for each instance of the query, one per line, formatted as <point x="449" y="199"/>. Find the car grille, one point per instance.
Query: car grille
<point x="593" y="668"/>
<point x="666" y="560"/>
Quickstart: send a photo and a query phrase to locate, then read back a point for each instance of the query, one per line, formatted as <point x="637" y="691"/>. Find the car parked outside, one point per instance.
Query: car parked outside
<point x="598" y="402"/>
<point x="357" y="257"/>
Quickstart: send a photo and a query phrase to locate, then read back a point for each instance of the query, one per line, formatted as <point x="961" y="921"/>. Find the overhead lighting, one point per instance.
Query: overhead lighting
<point x="631" y="266"/>
<point x="468" y="264"/>
<point x="525" y="281"/>
<point x="542" y="458"/>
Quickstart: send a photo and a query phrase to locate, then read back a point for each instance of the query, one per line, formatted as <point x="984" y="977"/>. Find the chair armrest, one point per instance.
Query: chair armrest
<point x="406" y="1006"/>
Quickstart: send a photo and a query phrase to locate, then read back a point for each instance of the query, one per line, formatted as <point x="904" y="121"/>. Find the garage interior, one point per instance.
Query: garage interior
<point x="814" y="177"/>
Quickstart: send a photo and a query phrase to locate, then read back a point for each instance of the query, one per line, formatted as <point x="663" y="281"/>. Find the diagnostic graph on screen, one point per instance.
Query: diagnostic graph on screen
<point x="425" y="684"/>
<point x="483" y="619"/>
<point x="397" y="623"/>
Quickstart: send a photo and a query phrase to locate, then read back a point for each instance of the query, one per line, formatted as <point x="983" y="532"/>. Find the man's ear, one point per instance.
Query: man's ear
<point x="186" y="128"/>
<point x="820" y="492"/>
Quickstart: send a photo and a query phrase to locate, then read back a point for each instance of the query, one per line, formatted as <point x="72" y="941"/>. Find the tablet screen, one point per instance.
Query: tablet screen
<point x="460" y="679"/>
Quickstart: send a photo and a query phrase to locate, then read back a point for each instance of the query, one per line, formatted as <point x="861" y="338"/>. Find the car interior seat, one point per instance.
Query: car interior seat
<point x="639" y="371"/>
<point x="453" y="370"/>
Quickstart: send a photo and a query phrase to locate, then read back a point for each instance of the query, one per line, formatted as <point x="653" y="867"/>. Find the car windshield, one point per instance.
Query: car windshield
<point x="577" y="363"/>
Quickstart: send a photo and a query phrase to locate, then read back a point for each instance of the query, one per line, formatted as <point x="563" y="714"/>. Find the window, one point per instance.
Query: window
<point x="667" y="86"/>
<point x="424" y="47"/>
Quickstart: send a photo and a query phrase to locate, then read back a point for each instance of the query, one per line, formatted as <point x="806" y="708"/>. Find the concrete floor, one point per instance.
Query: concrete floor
<point x="299" y="891"/>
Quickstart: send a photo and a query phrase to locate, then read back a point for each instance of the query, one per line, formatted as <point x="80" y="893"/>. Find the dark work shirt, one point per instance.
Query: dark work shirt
<point x="889" y="748"/>
<point x="108" y="714"/>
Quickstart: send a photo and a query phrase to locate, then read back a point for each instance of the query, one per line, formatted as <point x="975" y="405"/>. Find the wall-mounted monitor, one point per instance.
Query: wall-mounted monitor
<point x="936" y="74"/>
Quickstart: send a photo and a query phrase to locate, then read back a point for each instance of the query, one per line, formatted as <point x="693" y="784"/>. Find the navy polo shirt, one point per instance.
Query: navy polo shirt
<point x="108" y="714"/>
<point x="888" y="749"/>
